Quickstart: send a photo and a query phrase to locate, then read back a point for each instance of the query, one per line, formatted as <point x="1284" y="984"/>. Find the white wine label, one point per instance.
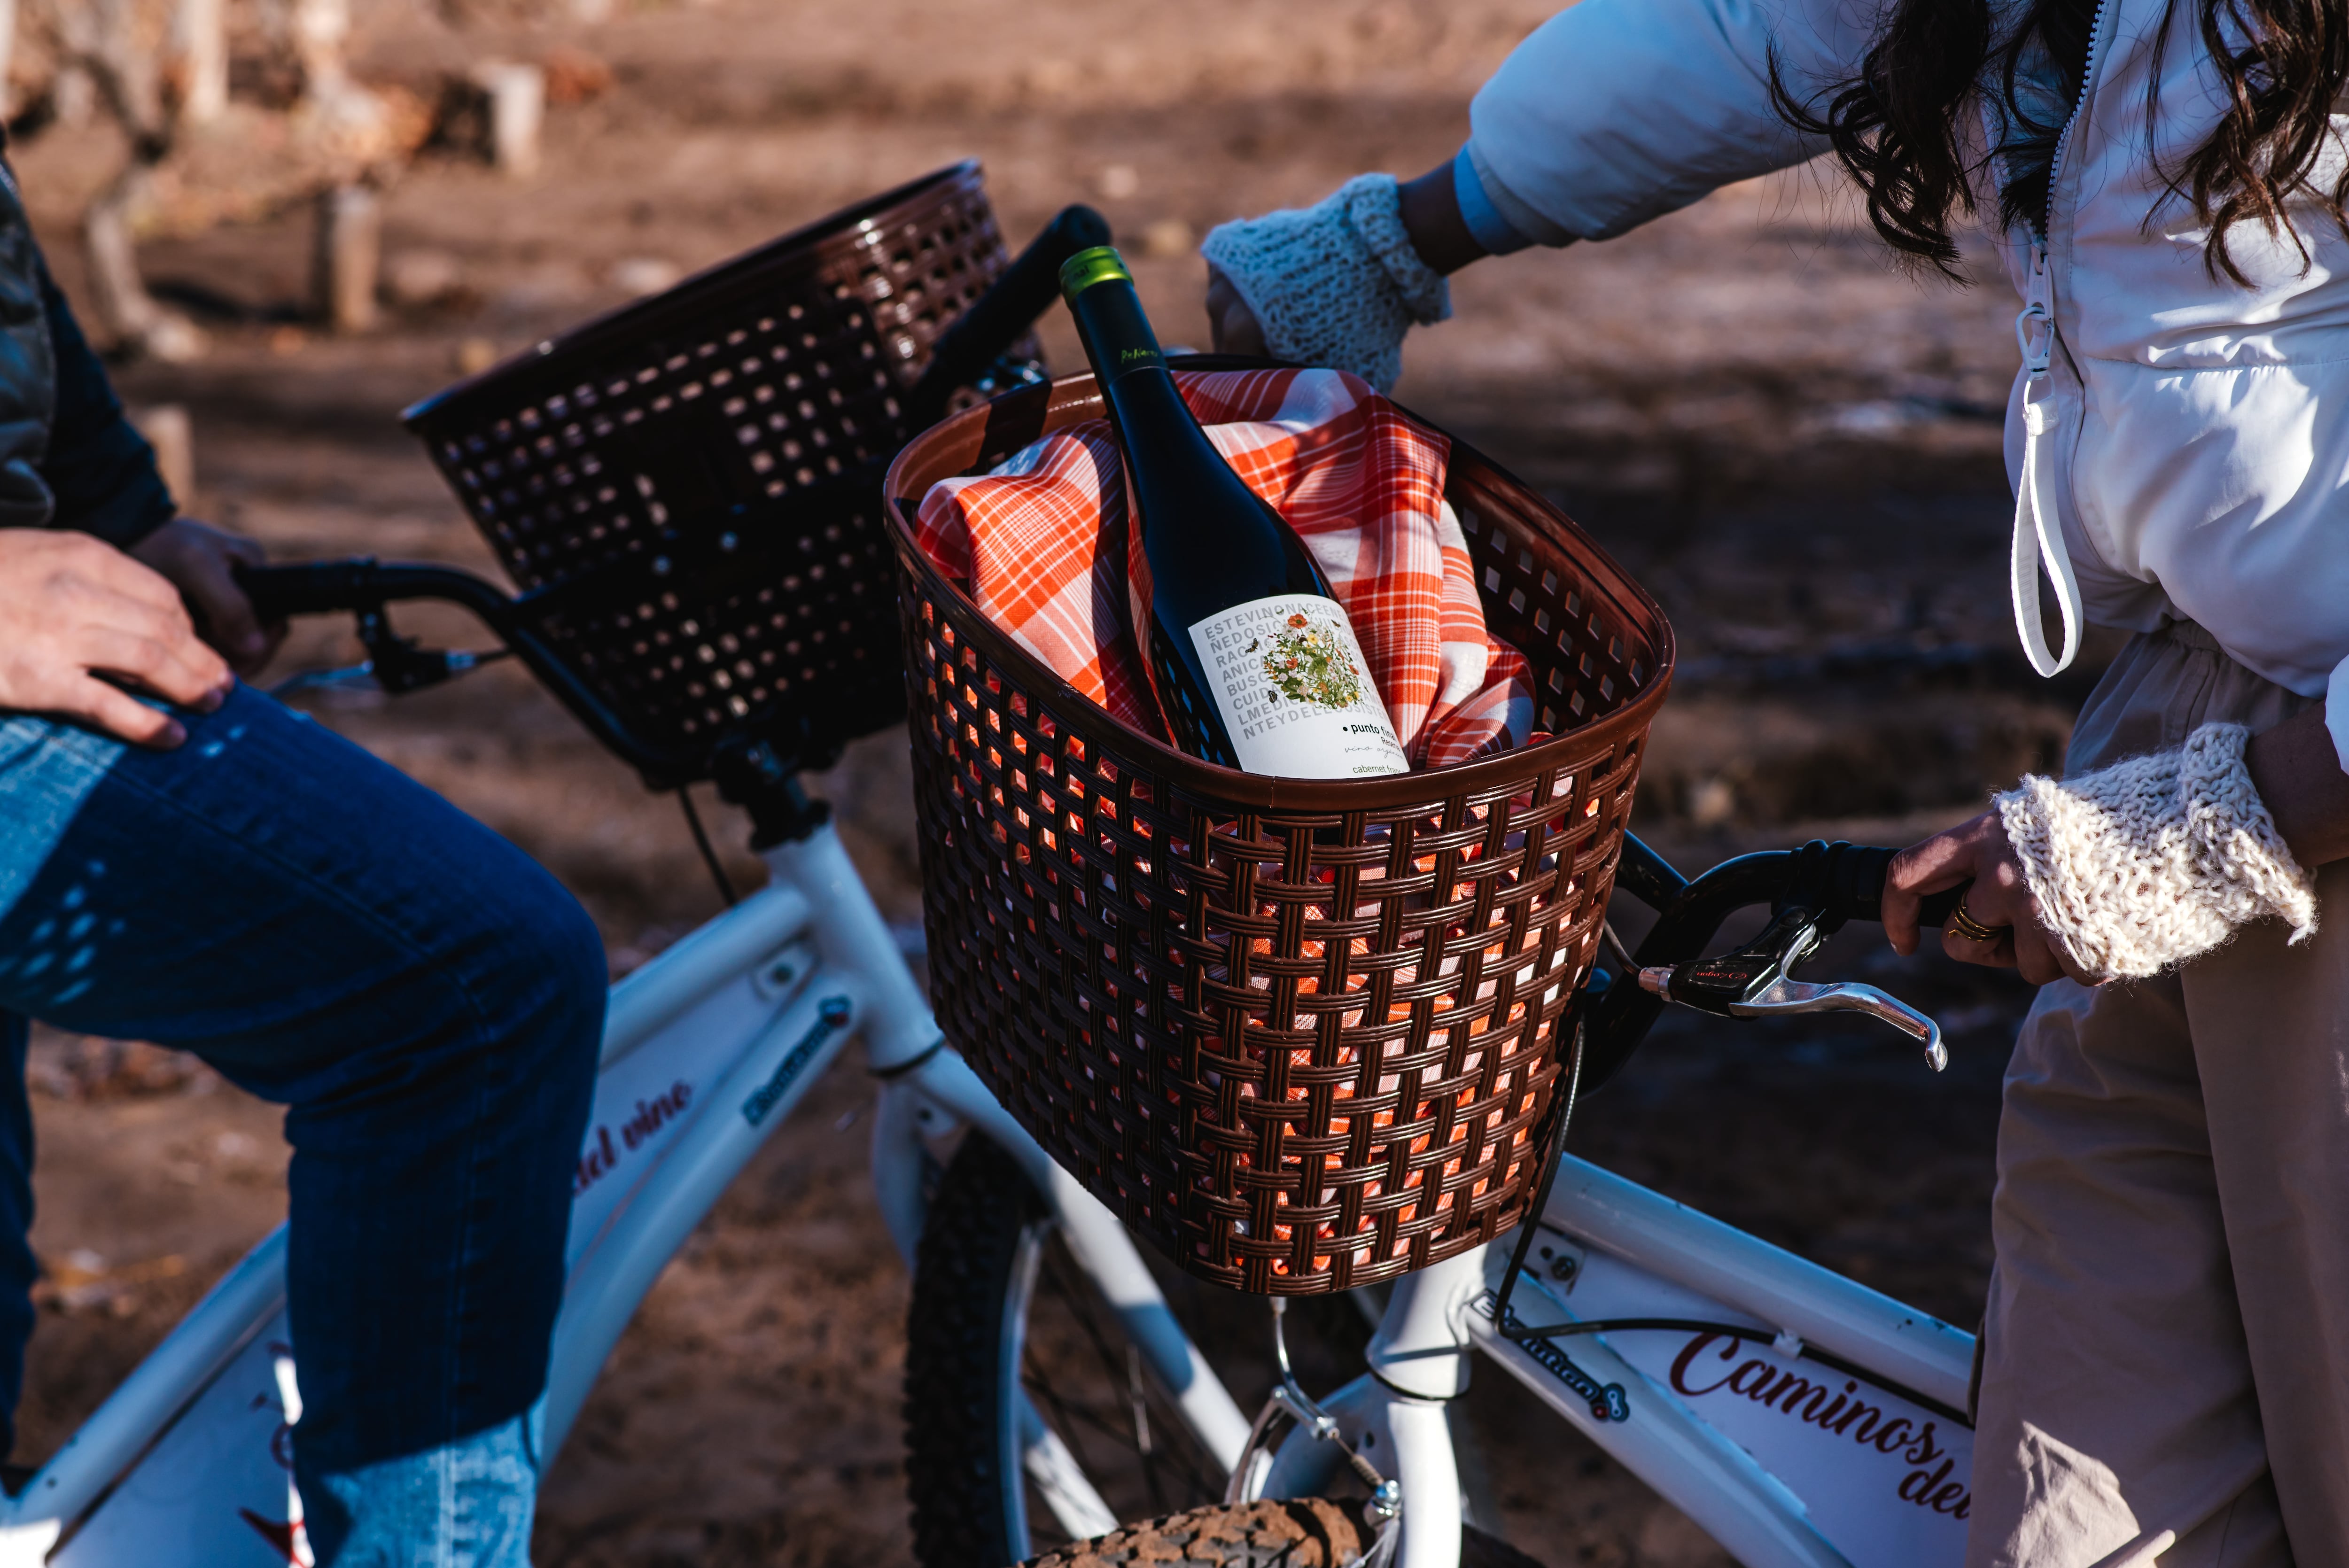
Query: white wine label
<point x="1295" y="690"/>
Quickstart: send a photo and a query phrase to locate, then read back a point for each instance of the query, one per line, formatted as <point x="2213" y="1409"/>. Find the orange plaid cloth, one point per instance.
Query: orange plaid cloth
<point x="1042" y="547"/>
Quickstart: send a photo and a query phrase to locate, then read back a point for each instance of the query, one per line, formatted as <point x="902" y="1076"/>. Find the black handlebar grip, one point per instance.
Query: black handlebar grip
<point x="1861" y="873"/>
<point x="309" y="588"/>
<point x="1933" y="912"/>
<point x="1010" y="305"/>
<point x="1858" y="881"/>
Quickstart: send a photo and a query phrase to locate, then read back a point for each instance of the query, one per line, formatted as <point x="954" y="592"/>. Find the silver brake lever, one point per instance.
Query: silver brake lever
<point x="1786" y="997"/>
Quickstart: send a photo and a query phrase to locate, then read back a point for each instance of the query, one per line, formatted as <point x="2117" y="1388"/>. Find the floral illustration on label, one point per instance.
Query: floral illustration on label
<point x="1312" y="664"/>
<point x="1295" y="691"/>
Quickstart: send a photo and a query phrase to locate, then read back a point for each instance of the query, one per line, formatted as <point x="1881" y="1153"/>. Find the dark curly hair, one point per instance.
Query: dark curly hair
<point x="1895" y="125"/>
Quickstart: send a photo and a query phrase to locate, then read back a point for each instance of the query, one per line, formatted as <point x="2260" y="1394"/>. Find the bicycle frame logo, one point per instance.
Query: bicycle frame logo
<point x="601" y="1159"/>
<point x="1607" y="1400"/>
<point x="1847" y="1415"/>
<point x="832" y="1016"/>
<point x="289" y="1538"/>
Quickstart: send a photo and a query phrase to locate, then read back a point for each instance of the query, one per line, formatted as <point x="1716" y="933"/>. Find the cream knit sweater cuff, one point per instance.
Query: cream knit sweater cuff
<point x="1337" y="283"/>
<point x="2154" y="861"/>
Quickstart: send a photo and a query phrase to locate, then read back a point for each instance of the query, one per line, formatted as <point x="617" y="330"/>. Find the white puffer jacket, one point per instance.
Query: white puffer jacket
<point x="2195" y="440"/>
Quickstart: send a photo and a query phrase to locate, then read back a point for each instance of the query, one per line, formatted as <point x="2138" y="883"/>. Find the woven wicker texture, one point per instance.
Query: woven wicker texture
<point x="691" y="482"/>
<point x="1300" y="1035"/>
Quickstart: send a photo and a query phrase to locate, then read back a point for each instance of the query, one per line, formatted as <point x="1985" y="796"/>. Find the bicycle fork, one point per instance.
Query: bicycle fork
<point x="1394" y="1421"/>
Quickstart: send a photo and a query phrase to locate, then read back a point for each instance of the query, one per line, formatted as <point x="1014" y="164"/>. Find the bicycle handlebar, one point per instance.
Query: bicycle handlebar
<point x="1812" y="893"/>
<point x="1024" y="292"/>
<point x="1840" y="882"/>
<point x="1849" y="884"/>
<point x="363" y="586"/>
<point x="362" y="583"/>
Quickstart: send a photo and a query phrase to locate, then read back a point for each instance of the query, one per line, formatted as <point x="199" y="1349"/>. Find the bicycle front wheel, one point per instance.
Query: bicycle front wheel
<point x="1032" y="1422"/>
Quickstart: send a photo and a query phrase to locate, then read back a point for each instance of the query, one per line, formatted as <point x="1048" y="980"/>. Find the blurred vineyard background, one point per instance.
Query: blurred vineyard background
<point x="287" y="219"/>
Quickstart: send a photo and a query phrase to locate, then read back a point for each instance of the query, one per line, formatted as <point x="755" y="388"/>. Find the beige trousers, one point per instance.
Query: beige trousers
<point x="2167" y="1347"/>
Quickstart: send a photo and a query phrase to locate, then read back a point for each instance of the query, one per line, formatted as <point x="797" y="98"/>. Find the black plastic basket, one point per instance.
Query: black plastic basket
<point x="685" y="490"/>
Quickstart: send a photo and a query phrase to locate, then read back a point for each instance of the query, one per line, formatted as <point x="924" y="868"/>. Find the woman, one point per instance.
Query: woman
<point x="2165" y="1361"/>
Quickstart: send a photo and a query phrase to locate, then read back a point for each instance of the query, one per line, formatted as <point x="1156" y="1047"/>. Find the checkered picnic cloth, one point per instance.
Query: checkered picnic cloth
<point x="1042" y="545"/>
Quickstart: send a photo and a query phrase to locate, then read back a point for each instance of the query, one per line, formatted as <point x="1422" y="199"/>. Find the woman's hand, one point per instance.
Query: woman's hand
<point x="2296" y="768"/>
<point x="201" y="560"/>
<point x="1232" y="328"/>
<point x="77" y="616"/>
<point x="1429" y="210"/>
<point x="1976" y="852"/>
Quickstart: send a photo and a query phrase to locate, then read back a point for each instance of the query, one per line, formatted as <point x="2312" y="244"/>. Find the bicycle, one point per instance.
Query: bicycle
<point x="710" y="1046"/>
<point x="1795" y="1416"/>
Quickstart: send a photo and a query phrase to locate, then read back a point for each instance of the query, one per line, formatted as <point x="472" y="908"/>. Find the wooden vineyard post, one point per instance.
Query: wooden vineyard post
<point x="202" y="28"/>
<point x="319" y="28"/>
<point x="517" y="95"/>
<point x="349" y="252"/>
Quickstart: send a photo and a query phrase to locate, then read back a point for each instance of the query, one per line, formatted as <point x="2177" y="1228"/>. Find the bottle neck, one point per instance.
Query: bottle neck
<point x="1207" y="533"/>
<point x="1128" y="363"/>
<point x="1116" y="334"/>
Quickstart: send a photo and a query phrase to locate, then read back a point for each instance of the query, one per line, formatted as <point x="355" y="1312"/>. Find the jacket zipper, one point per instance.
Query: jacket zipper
<point x="2064" y="137"/>
<point x="2038" y="534"/>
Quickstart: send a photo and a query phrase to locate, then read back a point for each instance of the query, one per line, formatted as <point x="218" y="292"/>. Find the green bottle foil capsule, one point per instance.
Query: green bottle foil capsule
<point x="1098" y="265"/>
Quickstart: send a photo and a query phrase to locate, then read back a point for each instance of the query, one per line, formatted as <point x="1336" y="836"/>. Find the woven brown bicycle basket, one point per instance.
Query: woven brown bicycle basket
<point x="1301" y="1035"/>
<point x="687" y="489"/>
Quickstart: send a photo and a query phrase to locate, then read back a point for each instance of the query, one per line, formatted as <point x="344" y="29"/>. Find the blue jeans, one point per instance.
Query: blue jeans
<point x="424" y="999"/>
<point x="465" y="1504"/>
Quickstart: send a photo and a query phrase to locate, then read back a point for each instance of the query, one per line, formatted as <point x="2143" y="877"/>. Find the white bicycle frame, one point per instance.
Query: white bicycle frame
<point x="1785" y="1459"/>
<point x="708" y="1048"/>
<point x="1785" y="1440"/>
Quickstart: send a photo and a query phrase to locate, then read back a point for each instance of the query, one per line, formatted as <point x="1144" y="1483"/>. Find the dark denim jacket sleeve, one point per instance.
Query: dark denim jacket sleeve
<point x="99" y="467"/>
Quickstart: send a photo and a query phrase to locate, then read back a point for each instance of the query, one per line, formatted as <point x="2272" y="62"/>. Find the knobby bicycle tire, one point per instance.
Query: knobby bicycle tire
<point x="1309" y="1532"/>
<point x="955" y="1465"/>
<point x="1301" y="1532"/>
<point x="994" y="1293"/>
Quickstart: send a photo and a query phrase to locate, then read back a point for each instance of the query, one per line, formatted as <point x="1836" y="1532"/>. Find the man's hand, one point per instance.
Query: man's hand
<point x="200" y="561"/>
<point x="72" y="610"/>
<point x="1976" y="850"/>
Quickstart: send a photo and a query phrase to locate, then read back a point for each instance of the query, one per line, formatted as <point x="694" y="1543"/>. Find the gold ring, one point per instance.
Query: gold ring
<point x="1974" y="929"/>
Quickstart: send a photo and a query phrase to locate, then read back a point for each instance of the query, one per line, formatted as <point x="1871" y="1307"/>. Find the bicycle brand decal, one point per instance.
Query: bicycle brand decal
<point x="289" y="1537"/>
<point x="832" y="1015"/>
<point x="1607" y="1400"/>
<point x="601" y="1159"/>
<point x="1845" y="1415"/>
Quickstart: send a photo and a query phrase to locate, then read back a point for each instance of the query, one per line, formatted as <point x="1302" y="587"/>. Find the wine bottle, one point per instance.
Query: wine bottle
<point x="1255" y="664"/>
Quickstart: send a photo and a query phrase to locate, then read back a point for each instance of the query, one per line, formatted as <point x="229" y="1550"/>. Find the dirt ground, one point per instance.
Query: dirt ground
<point x="1794" y="445"/>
